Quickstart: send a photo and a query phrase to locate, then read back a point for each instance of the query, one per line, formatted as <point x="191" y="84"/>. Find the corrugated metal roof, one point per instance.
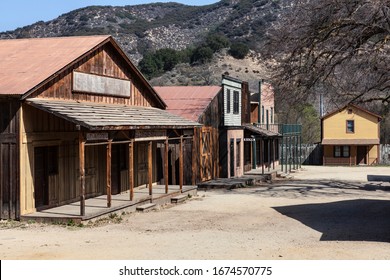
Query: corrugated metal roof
<point x="99" y="116"/>
<point x="24" y="63"/>
<point x="188" y="101"/>
<point x="261" y="131"/>
<point x="350" y="142"/>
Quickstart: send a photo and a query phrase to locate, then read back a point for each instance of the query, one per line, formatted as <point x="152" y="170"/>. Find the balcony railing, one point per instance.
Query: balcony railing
<point x="284" y="129"/>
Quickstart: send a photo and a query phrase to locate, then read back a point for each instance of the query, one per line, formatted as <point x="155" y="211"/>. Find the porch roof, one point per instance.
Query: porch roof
<point x="261" y="131"/>
<point x="350" y="142"/>
<point x="100" y="116"/>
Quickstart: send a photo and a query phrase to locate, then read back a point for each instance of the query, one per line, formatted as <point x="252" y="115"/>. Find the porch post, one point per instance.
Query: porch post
<point x="108" y="170"/>
<point x="131" y="169"/>
<point x="82" y="172"/>
<point x="195" y="168"/>
<point x="181" y="173"/>
<point x="254" y="159"/>
<point x="150" y="166"/>
<point x="166" y="176"/>
<point x="262" y="155"/>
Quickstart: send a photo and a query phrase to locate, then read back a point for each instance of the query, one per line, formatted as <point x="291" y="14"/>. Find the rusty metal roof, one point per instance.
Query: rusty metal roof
<point x="99" y="116"/>
<point x="350" y="141"/>
<point x="188" y="101"/>
<point x="24" y="63"/>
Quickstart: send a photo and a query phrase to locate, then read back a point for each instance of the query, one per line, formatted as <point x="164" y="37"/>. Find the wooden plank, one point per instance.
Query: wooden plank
<point x="181" y="173"/>
<point x="82" y="173"/>
<point x="108" y="173"/>
<point x="194" y="165"/>
<point x="166" y="175"/>
<point x="131" y="169"/>
<point x="150" y="166"/>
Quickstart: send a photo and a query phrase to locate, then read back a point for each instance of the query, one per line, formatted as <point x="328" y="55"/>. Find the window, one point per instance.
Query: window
<point x="341" y="151"/>
<point x="350" y="126"/>
<point x="272" y="115"/>
<point x="228" y="101"/>
<point x="236" y="102"/>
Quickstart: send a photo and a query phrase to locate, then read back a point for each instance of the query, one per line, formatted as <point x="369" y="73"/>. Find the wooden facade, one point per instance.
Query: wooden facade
<point x="62" y="142"/>
<point x="350" y="136"/>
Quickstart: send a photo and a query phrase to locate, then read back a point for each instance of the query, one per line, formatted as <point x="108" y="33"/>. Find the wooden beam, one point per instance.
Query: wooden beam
<point x="166" y="174"/>
<point x="194" y="165"/>
<point x="131" y="169"/>
<point x="150" y="166"/>
<point x="181" y="172"/>
<point x="108" y="173"/>
<point x="82" y="172"/>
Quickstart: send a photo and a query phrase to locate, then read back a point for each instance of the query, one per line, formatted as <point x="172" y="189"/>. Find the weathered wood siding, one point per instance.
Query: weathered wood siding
<point x="9" y="159"/>
<point x="104" y="62"/>
<point x="229" y="117"/>
<point x="40" y="129"/>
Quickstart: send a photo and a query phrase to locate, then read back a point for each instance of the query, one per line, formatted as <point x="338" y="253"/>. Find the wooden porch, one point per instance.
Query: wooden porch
<point x="97" y="206"/>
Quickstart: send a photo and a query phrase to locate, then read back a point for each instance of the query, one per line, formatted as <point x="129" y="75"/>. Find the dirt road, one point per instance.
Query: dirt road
<point x="300" y="219"/>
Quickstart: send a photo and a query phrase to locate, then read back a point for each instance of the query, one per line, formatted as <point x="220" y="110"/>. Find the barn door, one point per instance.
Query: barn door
<point x="205" y="154"/>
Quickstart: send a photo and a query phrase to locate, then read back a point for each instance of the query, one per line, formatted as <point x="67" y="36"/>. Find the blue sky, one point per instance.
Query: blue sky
<point x="19" y="13"/>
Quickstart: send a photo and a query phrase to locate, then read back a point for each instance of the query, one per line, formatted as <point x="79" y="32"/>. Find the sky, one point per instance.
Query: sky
<point x="19" y="13"/>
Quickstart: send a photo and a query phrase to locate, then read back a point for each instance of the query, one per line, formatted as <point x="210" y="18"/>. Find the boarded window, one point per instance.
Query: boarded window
<point x="238" y="152"/>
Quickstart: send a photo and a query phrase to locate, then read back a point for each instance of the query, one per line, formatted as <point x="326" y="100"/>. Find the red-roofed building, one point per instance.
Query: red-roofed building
<point x="78" y="120"/>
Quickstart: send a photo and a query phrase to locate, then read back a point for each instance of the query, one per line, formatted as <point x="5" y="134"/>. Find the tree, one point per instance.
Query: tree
<point x="339" y="47"/>
<point x="238" y="50"/>
<point x="202" y="54"/>
<point x="217" y="42"/>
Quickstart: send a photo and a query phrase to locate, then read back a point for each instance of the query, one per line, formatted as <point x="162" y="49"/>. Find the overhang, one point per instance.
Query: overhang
<point x="260" y="131"/>
<point x="100" y="116"/>
<point x="350" y="142"/>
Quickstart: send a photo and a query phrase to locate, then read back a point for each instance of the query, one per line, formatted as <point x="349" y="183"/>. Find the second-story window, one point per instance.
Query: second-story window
<point x="272" y="115"/>
<point x="228" y="101"/>
<point x="350" y="126"/>
<point x="262" y="114"/>
<point x="236" y="102"/>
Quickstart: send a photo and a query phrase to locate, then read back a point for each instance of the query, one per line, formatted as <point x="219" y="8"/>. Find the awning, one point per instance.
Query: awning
<point x="260" y="131"/>
<point x="350" y="142"/>
<point x="98" y="116"/>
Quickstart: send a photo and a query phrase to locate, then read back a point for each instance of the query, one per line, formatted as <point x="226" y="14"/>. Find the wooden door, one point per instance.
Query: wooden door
<point x="205" y="154"/>
<point x="115" y="170"/>
<point x="41" y="186"/>
<point x="142" y="164"/>
<point x="232" y="156"/>
<point x="361" y="157"/>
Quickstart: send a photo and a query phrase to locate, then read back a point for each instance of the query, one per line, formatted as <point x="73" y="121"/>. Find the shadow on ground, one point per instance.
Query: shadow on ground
<point x="347" y="220"/>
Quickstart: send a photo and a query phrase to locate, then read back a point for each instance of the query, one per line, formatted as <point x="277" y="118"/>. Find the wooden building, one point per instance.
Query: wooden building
<point x="79" y="120"/>
<point x="350" y="136"/>
<point x="201" y="104"/>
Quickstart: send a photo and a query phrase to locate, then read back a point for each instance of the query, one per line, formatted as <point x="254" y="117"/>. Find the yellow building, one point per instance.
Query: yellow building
<point x="350" y="136"/>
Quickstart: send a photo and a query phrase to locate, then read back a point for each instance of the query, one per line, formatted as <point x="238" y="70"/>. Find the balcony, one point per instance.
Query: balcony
<point x="284" y="129"/>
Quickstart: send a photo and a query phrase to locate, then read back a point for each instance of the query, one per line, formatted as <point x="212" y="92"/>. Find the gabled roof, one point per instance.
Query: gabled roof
<point x="100" y="116"/>
<point x="188" y="101"/>
<point x="351" y="105"/>
<point x="26" y="64"/>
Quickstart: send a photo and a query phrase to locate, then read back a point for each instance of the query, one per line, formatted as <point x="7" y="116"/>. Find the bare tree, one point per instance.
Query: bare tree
<point x="338" y="47"/>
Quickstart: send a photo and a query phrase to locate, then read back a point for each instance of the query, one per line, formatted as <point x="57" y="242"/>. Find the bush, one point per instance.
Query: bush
<point x="202" y="55"/>
<point x="238" y="50"/>
<point x="217" y="42"/>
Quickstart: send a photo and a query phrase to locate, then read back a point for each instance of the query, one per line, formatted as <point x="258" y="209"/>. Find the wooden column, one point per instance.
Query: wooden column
<point x="181" y="169"/>
<point x="194" y="165"/>
<point x="166" y="174"/>
<point x="82" y="172"/>
<point x="131" y="169"/>
<point x="108" y="172"/>
<point x="150" y="166"/>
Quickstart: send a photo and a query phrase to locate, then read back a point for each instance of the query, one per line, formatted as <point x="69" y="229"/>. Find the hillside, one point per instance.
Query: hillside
<point x="143" y="28"/>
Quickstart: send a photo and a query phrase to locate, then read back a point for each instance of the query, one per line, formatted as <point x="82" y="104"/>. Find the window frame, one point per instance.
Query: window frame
<point x="236" y="102"/>
<point x="228" y="101"/>
<point x="341" y="151"/>
<point x="353" y="126"/>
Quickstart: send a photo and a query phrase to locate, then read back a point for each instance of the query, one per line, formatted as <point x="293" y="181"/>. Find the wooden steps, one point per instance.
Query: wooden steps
<point x="146" y="207"/>
<point x="179" y="198"/>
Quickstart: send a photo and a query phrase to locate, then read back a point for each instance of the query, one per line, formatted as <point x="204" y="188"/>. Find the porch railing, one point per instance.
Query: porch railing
<point x="284" y="129"/>
<point x="339" y="161"/>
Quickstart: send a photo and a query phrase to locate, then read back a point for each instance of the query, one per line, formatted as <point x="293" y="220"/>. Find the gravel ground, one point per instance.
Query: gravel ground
<point x="323" y="213"/>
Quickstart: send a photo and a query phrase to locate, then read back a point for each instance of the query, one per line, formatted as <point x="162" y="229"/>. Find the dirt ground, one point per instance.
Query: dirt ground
<point x="323" y="213"/>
